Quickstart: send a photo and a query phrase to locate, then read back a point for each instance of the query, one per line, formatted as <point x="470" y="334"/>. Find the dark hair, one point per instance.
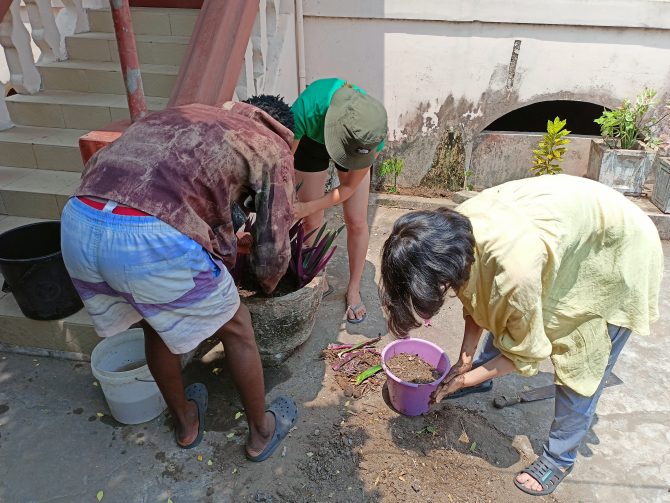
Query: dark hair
<point x="428" y="253"/>
<point x="275" y="106"/>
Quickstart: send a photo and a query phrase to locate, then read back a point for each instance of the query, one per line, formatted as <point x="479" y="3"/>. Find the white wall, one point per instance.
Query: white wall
<point x="439" y="63"/>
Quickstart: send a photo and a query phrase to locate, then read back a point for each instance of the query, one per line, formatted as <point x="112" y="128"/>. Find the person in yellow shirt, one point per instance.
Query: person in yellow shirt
<point x="555" y="267"/>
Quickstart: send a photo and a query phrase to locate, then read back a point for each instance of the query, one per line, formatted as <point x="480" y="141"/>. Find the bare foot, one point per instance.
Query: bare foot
<point x="529" y="482"/>
<point x="259" y="439"/>
<point x="354" y="300"/>
<point x="187" y="430"/>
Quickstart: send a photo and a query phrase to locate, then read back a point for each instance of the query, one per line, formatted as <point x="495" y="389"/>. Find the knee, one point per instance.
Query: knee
<point x="356" y="225"/>
<point x="238" y="330"/>
<point x="313" y="221"/>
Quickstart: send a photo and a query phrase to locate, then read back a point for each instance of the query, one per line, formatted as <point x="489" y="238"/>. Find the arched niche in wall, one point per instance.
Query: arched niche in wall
<point x="502" y="151"/>
<point x="580" y="116"/>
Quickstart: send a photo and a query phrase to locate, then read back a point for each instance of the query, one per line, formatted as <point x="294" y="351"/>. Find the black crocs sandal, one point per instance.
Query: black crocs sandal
<point x="286" y="414"/>
<point x="197" y="393"/>
<point x="547" y="473"/>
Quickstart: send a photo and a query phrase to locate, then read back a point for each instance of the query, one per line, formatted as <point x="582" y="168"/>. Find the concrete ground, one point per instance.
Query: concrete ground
<point x="58" y="442"/>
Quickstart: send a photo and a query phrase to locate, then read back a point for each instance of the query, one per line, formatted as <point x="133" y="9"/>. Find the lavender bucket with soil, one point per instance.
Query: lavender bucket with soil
<point x="428" y="365"/>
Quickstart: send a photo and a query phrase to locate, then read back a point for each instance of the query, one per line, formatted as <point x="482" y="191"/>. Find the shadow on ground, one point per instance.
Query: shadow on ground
<point x="59" y="444"/>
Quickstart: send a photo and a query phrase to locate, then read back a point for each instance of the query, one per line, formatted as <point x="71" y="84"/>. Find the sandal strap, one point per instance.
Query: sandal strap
<point x="547" y="473"/>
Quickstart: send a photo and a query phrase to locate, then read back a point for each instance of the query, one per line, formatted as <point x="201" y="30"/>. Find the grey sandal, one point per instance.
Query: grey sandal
<point x="353" y="309"/>
<point x="547" y="473"/>
<point x="196" y="392"/>
<point x="286" y="414"/>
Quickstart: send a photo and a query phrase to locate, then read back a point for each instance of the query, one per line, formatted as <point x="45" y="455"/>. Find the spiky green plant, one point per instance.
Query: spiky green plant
<point x="549" y="153"/>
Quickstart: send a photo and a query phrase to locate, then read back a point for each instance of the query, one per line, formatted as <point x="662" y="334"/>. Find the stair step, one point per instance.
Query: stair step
<point x="74" y="334"/>
<point x="661" y="220"/>
<point x="41" y="148"/>
<point x="35" y="193"/>
<point x="71" y="109"/>
<point x="151" y="49"/>
<point x="149" y="21"/>
<point x="105" y="77"/>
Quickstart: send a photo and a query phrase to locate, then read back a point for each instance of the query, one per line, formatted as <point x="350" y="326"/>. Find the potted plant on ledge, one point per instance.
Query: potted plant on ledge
<point x="284" y="320"/>
<point x="626" y="156"/>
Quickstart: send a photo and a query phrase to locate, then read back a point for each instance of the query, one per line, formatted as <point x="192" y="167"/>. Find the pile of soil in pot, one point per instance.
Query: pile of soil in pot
<point x="249" y="287"/>
<point x="410" y="367"/>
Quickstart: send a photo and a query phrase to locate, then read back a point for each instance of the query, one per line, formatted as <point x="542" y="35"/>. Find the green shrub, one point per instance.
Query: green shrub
<point x="392" y="166"/>
<point x="624" y="126"/>
<point x="550" y="150"/>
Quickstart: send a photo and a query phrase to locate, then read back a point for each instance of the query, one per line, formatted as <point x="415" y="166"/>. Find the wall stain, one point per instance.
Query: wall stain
<point x="448" y="168"/>
<point x="423" y="137"/>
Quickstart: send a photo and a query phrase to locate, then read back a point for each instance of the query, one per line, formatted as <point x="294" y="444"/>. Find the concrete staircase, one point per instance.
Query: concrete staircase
<point x="40" y="164"/>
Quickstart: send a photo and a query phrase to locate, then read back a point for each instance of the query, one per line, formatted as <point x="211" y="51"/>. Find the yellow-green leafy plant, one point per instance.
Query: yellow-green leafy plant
<point x="392" y="166"/>
<point x="548" y="156"/>
<point x="633" y="122"/>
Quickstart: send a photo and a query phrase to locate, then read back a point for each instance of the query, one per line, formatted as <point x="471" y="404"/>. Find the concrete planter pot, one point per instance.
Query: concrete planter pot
<point x="282" y="324"/>
<point x="624" y="170"/>
<point x="661" y="194"/>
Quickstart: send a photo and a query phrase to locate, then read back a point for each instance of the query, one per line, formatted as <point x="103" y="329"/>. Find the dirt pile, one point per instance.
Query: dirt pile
<point x="411" y="368"/>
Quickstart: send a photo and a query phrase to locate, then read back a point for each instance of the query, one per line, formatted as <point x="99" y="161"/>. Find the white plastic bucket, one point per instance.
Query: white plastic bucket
<point x="132" y="395"/>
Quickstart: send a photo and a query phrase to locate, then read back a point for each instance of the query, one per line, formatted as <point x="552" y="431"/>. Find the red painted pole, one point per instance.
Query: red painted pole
<point x="4" y="7"/>
<point x="211" y="66"/>
<point x="130" y="64"/>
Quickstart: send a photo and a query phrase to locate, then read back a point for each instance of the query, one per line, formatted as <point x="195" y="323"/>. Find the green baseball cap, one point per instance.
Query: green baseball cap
<point x="356" y="124"/>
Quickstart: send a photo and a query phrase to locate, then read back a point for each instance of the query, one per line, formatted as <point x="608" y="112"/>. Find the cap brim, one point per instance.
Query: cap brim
<point x="334" y="135"/>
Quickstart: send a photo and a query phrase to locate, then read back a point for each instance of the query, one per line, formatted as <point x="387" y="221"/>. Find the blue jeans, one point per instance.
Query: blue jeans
<point x="573" y="413"/>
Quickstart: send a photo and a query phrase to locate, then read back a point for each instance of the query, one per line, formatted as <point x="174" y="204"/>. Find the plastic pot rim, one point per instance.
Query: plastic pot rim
<point x="411" y="384"/>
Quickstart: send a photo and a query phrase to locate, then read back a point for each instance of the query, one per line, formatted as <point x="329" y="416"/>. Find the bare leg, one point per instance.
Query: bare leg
<point x="358" y="237"/>
<point x="245" y="367"/>
<point x="165" y="367"/>
<point x="313" y="186"/>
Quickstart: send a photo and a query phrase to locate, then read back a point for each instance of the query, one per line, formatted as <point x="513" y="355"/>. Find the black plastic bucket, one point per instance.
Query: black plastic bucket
<point x="32" y="264"/>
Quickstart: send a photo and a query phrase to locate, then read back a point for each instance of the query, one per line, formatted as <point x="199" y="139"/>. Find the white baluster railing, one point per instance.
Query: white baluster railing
<point x="48" y="31"/>
<point x="15" y="40"/>
<point x="44" y="30"/>
<point x="261" y="62"/>
<point x="72" y="14"/>
<point x="5" y="119"/>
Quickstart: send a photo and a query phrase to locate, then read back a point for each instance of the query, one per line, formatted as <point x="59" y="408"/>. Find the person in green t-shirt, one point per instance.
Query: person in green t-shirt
<point x="339" y="121"/>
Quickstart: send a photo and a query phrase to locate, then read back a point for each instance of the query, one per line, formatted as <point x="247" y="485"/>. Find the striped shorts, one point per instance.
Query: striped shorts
<point x="128" y="268"/>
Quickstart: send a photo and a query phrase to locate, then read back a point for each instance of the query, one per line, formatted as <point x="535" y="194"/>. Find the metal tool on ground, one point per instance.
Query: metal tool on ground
<point x="541" y="393"/>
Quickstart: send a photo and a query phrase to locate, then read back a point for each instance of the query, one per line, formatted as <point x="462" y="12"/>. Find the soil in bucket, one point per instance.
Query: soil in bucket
<point x="410" y="367"/>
